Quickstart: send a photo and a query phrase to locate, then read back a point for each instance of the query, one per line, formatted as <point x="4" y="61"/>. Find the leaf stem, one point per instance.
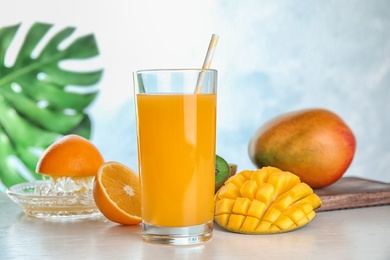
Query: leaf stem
<point x="31" y="67"/>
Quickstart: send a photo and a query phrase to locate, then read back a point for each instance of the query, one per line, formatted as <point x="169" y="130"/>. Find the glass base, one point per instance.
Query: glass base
<point x="177" y="235"/>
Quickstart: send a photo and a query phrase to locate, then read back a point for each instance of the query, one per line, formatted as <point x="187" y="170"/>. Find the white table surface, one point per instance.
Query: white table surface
<point x="345" y="234"/>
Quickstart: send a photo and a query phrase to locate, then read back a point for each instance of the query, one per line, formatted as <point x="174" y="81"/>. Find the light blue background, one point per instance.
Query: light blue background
<point x="272" y="57"/>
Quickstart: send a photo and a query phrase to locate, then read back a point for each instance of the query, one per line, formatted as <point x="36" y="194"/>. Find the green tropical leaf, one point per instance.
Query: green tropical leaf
<point x="9" y="174"/>
<point x="36" y="105"/>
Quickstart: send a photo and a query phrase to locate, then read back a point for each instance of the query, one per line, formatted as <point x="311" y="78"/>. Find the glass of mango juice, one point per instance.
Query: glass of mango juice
<point x="176" y="134"/>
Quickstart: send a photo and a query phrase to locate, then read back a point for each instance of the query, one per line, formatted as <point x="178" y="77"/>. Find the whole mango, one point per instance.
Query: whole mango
<point x="315" y="144"/>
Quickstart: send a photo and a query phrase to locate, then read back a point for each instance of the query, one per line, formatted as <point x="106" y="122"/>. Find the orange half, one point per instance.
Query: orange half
<point x="117" y="193"/>
<point x="71" y="156"/>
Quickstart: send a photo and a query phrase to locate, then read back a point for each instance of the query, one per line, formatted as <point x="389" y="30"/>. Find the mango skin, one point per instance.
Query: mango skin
<point x="315" y="144"/>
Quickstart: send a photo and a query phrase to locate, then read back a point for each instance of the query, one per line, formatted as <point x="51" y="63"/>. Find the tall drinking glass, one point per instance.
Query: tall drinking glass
<point x="176" y="130"/>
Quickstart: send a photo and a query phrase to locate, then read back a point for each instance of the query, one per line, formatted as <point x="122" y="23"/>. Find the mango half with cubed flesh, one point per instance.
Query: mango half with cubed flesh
<point x="265" y="201"/>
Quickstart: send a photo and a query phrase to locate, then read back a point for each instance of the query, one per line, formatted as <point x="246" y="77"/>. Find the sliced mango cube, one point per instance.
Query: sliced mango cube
<point x="259" y="177"/>
<point x="263" y="227"/>
<point x="250" y="223"/>
<point x="265" y="201"/>
<point x="313" y="200"/>
<point x="246" y="174"/>
<point x="257" y="209"/>
<point x="223" y="219"/>
<point x="296" y="214"/>
<point x="283" y="202"/>
<point x="225" y="205"/>
<point x="235" y="222"/>
<point x="300" y="191"/>
<point x="229" y="191"/>
<point x="249" y="189"/>
<point x="265" y="193"/>
<point x="241" y="206"/>
<point x="238" y="180"/>
<point x="271" y="215"/>
<point x="284" y="222"/>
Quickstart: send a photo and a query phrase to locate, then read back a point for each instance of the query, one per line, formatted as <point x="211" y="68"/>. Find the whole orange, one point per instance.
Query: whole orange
<point x="315" y="144"/>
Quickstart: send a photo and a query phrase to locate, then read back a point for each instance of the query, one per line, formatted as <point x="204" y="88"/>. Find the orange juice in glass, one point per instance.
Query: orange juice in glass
<point x="176" y="131"/>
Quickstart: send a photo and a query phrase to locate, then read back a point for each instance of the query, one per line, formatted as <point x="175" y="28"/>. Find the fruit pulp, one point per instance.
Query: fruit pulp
<point x="176" y="158"/>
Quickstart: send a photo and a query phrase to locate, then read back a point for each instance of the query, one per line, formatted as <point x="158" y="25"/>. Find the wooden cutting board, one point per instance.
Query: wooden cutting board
<point x="353" y="192"/>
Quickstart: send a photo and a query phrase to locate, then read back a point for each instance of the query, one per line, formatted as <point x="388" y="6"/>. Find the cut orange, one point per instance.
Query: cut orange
<point x="71" y="156"/>
<point x="117" y="194"/>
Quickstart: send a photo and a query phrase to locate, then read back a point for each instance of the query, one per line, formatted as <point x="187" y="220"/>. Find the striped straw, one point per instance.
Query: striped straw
<point x="207" y="61"/>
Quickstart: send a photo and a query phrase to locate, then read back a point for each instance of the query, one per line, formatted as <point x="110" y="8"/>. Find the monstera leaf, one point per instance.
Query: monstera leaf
<point x="39" y="100"/>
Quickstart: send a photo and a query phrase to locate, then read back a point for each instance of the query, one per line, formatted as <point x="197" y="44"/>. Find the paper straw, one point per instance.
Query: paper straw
<point x="207" y="61"/>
